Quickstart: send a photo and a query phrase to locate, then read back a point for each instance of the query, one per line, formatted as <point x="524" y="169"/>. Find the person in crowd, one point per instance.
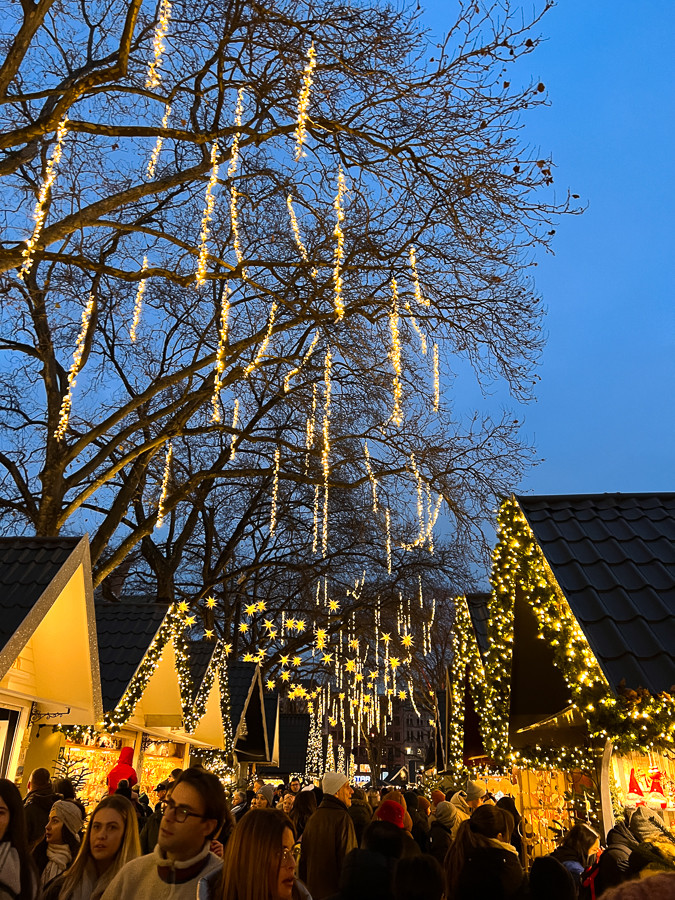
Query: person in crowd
<point x="294" y="785"/>
<point x="122" y="770"/>
<point x="393" y="812"/>
<point x="174" y="776"/>
<point x="613" y="865"/>
<point x="65" y="789"/>
<point x="39" y="800"/>
<point x="509" y="804"/>
<point x="420" y="825"/>
<point x="424" y="807"/>
<point x="550" y="880"/>
<point x="265" y="797"/>
<point x="142" y="800"/>
<point x="259" y="862"/>
<point x="328" y="837"/>
<point x="384" y="838"/>
<point x="304" y="805"/>
<point x="18" y="878"/>
<point x="110" y="841"/>
<point x="575" y="849"/>
<point x="61" y="843"/>
<point x="470" y="798"/>
<point x="655" y="887"/>
<point x="150" y="827"/>
<point x="360" y="813"/>
<point x="239" y="805"/>
<point x="258" y="784"/>
<point x="160" y="794"/>
<point x="419" y="878"/>
<point x="373" y="799"/>
<point x="287" y="802"/>
<point x="193" y="815"/>
<point x="278" y="794"/>
<point x="481" y="863"/>
<point x="436" y="798"/>
<point x="443" y="830"/>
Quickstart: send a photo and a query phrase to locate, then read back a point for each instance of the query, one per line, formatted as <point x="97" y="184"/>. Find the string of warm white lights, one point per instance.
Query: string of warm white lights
<point x="138" y="304"/>
<point x="296" y="229"/>
<point x="303" y="102"/>
<point x="40" y="213"/>
<point x="161" y="510"/>
<point x="235" y="425"/>
<point x="78" y="353"/>
<point x="154" y="156"/>
<point x="262" y="350"/>
<point x="275" y="490"/>
<point x="220" y="354"/>
<point x="420" y="333"/>
<point x="387" y="518"/>
<point x="371" y="476"/>
<point x="395" y="355"/>
<point x="416" y="281"/>
<point x="338" y="234"/>
<point x="294" y="372"/>
<point x="231" y="172"/>
<point x="153" y="77"/>
<point x="207" y="215"/>
<point x="437" y="380"/>
<point x="325" y="453"/>
<point x="310" y="429"/>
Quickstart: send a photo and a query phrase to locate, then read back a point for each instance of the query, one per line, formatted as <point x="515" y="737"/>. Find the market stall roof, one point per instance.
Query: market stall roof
<point x="613" y="556"/>
<point x="202" y="656"/>
<point x="249" y="726"/>
<point x="477" y="605"/>
<point x="48" y="650"/>
<point x="293" y="740"/>
<point x="271" y="704"/>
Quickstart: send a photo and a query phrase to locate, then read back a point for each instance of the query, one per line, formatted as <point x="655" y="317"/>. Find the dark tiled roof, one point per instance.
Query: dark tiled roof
<point x="478" y="610"/>
<point x="125" y="631"/>
<point x="27" y="567"/>
<point x="240" y="675"/>
<point x="293" y="739"/>
<point x="613" y="556"/>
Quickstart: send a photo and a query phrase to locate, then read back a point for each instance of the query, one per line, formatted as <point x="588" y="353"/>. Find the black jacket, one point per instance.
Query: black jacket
<point x="440" y="839"/>
<point x="491" y="872"/>
<point x="361" y="814"/>
<point x="37" y="805"/>
<point x="327" y="839"/>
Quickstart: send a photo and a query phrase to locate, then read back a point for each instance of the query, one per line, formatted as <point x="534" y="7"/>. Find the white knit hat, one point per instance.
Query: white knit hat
<point x="333" y="781"/>
<point x="70" y="814"/>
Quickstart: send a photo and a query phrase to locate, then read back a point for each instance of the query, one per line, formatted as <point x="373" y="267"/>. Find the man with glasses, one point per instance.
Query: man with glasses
<point x="192" y="816"/>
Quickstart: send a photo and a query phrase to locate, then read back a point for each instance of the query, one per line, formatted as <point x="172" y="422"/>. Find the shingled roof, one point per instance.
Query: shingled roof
<point x="613" y="556"/>
<point x="125" y="630"/>
<point x="240" y="675"/>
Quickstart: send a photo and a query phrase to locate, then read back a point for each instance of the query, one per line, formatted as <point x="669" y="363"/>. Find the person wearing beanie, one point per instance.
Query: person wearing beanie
<point x="420" y="822"/>
<point x="390" y="811"/>
<point x="443" y="829"/>
<point x="61" y="843"/>
<point x="410" y="846"/>
<point x="265" y="797"/>
<point x="424" y="806"/>
<point x="328" y="837"/>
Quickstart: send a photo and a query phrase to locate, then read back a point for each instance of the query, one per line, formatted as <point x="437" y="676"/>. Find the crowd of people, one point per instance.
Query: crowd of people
<point x="295" y="842"/>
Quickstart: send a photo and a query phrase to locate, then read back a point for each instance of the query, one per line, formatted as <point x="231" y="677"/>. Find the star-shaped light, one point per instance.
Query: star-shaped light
<point x="284" y="660"/>
<point x="394" y="661"/>
<point x="285" y="676"/>
<point x="269" y="684"/>
<point x="333" y="605"/>
<point x="190" y="620"/>
<point x="272" y="634"/>
<point x="342" y="695"/>
<point x="327" y="658"/>
<point x="386" y="637"/>
<point x="262" y="606"/>
<point x="351" y="665"/>
<point x="211" y="602"/>
<point x="401" y="695"/>
<point x="373" y="673"/>
<point x="248" y="657"/>
<point x="332" y="720"/>
<point x="243" y="627"/>
<point x="321" y="634"/>
<point x="354" y="644"/>
<point x="407" y="640"/>
<point x="183" y="606"/>
<point x="320" y="643"/>
<point x="228" y="649"/>
<point x="310" y="707"/>
<point x="358" y="676"/>
<point x="251" y="608"/>
<point x="296" y="660"/>
<point x="290" y="624"/>
<point x="208" y="632"/>
<point x="269" y="624"/>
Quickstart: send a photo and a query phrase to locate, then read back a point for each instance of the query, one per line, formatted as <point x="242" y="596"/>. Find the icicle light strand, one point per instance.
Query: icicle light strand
<point x="371" y="475"/>
<point x="235" y="424"/>
<point x="165" y="487"/>
<point x="154" y="77"/>
<point x="294" y="372"/>
<point x="152" y="162"/>
<point x="338" y="234"/>
<point x="220" y="354"/>
<point x="40" y="213"/>
<point x="413" y="320"/>
<point x="387" y="519"/>
<point x="416" y="281"/>
<point x="231" y="172"/>
<point x="325" y="455"/>
<point x="437" y="380"/>
<point x="66" y="403"/>
<point x="266" y="340"/>
<point x="209" y="203"/>
<point x="275" y="490"/>
<point x="396" y="414"/>
<point x="303" y="102"/>
<point x="296" y="229"/>
<point x="138" y="305"/>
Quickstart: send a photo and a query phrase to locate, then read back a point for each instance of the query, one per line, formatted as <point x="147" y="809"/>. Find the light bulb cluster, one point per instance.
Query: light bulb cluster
<point x="78" y="353"/>
<point x="154" y="77"/>
<point x="303" y="102"/>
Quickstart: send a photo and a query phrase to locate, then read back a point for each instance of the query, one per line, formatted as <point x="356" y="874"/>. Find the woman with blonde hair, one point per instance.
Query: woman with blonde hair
<point x="481" y="862"/>
<point x="110" y="841"/>
<point x="259" y="862"/>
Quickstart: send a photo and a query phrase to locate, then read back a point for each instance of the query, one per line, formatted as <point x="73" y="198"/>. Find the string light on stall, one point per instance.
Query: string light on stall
<point x="303" y="102"/>
<point x="40" y="213"/>
<point x="207" y="215"/>
<point x="78" y="353"/>
<point x="138" y="303"/>
<point x="339" y="253"/>
<point x="395" y="355"/>
<point x="154" y="77"/>
<point x="165" y="486"/>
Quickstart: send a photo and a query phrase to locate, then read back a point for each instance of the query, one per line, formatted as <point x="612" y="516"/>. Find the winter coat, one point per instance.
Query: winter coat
<point x="464" y="811"/>
<point x="366" y="875"/>
<point x="491" y="872"/>
<point x="37" y="806"/>
<point x="361" y="815"/>
<point x="613" y="862"/>
<point x="11" y="872"/>
<point x="157" y="878"/>
<point x="328" y="837"/>
<point x="571" y="862"/>
<point x="440" y="838"/>
<point x="123" y="769"/>
<point x="150" y="832"/>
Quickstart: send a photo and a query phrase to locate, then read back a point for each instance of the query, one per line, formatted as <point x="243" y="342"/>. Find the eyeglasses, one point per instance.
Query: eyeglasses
<point x="287" y="860"/>
<point x="180" y="813"/>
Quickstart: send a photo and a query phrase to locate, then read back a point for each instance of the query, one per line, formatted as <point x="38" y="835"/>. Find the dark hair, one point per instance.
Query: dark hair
<point x="17" y="835"/>
<point x="485" y="824"/>
<point x="384" y="838"/>
<point x="358" y="794"/>
<point x="40" y="778"/>
<point x="65" y="787"/>
<point x="418" y="878"/>
<point x="550" y="880"/>
<point x="211" y="791"/>
<point x="577" y="843"/>
<point x="509" y="804"/>
<point x="303" y="807"/>
<point x="176" y="773"/>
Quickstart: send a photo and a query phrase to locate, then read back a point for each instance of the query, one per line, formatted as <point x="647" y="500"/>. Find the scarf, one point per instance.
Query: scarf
<point x="503" y="846"/>
<point x="59" y="858"/>
<point x="90" y="887"/>
<point x="10" y="870"/>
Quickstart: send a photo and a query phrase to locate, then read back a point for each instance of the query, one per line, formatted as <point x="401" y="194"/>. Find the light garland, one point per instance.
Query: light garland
<point x="296" y="229"/>
<point x="154" y="156"/>
<point x="416" y="281"/>
<point x="40" y="213"/>
<point x="220" y="354"/>
<point x="138" y="304"/>
<point x="387" y="519"/>
<point x="395" y="355"/>
<point x="165" y="486"/>
<point x="339" y="254"/>
<point x="153" y="77"/>
<point x="231" y="172"/>
<point x="297" y="369"/>
<point x="315" y="534"/>
<point x="371" y="476"/>
<point x="209" y="203"/>
<point x="303" y="102"/>
<point x="235" y="423"/>
<point x="325" y="453"/>
<point x="437" y="380"/>
<point x="78" y="353"/>
<point x="310" y="429"/>
<point x="252" y="366"/>
<point x="275" y="490"/>
<point x="420" y="334"/>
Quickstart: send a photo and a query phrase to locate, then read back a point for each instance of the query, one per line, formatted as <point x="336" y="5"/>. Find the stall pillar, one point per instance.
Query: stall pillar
<point x="605" y="793"/>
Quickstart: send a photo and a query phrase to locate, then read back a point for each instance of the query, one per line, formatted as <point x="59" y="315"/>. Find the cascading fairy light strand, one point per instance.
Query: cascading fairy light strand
<point x="371" y="475"/>
<point x="387" y="519"/>
<point x="138" y="304"/>
<point x="220" y="355"/>
<point x="209" y="203"/>
<point x="275" y="490"/>
<point x="416" y="281"/>
<point x="165" y="486"/>
<point x="315" y="537"/>
<point x="265" y="344"/>
<point x="231" y="172"/>
<point x="66" y="403"/>
<point x="235" y="424"/>
<point x="420" y="500"/>
<point x="325" y="455"/>
<point x="154" y="77"/>
<point x="396" y="414"/>
<point x="339" y="236"/>
<point x="154" y="157"/>
<point x="310" y="429"/>
<point x="296" y="229"/>
<point x="303" y="102"/>
<point x="40" y="213"/>
<point x="294" y="372"/>
<point x="437" y="380"/>
<point x="415" y="325"/>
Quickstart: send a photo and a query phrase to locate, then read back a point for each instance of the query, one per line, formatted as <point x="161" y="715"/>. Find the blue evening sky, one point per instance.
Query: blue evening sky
<point x="605" y="412"/>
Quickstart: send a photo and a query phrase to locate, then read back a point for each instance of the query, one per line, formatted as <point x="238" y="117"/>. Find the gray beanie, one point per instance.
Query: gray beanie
<point x="475" y="790"/>
<point x="446" y="813"/>
<point x="333" y="781"/>
<point x="267" y="790"/>
<point x="70" y="814"/>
